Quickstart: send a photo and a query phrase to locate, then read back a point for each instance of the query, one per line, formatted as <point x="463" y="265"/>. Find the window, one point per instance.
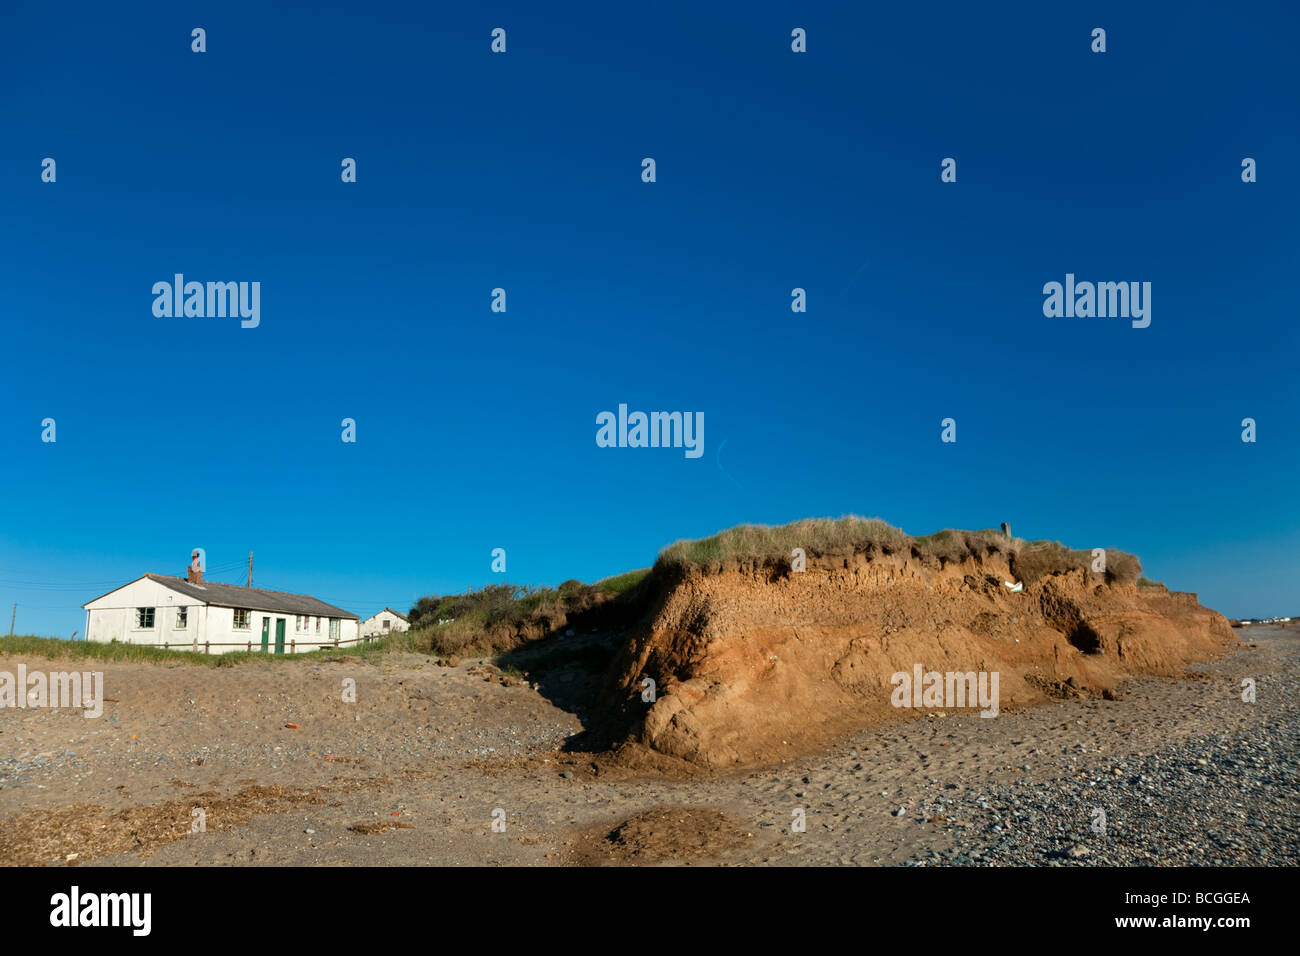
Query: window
<point x="387" y="624"/>
<point x="241" y="619"/>
<point x="182" y="618"/>
<point x="334" y="628"/>
<point x="144" y="618"/>
<point x="317" y="625"/>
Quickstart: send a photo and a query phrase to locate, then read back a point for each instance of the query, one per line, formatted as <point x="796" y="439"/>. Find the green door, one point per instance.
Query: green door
<point x="266" y="632"/>
<point x="279" y="635"/>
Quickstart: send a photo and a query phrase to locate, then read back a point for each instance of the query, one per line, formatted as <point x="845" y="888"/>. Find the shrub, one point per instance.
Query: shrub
<point x="425" y="609"/>
<point x="496" y="618"/>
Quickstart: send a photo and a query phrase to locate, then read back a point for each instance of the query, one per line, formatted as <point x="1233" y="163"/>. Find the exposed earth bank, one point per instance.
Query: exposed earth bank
<point x="753" y="662"/>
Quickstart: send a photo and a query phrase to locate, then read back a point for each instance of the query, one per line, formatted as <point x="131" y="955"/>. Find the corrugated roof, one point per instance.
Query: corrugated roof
<point x="255" y="599"/>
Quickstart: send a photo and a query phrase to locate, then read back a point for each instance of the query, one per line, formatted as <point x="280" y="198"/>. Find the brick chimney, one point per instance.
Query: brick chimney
<point x="194" y="573"/>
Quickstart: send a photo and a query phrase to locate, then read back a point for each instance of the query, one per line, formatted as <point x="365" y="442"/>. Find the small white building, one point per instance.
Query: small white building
<point x="385" y="622"/>
<point x="192" y="614"/>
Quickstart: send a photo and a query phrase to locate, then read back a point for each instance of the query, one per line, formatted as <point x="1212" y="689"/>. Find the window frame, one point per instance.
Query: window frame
<point x="182" y="621"/>
<point x="234" y="619"/>
<point x="140" y="612"/>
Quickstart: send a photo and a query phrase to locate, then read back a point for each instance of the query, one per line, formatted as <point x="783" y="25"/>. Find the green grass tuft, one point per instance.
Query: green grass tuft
<point x="622" y="583"/>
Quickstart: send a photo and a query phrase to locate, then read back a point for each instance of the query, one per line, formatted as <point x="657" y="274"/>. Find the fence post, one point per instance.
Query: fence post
<point x="293" y="647"/>
<point x="250" y="647"/>
<point x="207" y="647"/>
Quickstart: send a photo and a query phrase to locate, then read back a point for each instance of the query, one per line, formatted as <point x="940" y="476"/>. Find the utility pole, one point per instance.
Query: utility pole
<point x="250" y="569"/>
<point x="13" y="617"/>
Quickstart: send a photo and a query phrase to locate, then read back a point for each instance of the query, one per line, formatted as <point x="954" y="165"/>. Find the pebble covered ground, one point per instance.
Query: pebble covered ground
<point x="1224" y="798"/>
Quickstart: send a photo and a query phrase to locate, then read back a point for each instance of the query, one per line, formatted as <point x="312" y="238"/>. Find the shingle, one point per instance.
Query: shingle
<point x="254" y="599"/>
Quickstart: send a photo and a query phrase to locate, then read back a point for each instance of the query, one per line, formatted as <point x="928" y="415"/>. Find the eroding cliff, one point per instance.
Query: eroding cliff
<point x="753" y="662"/>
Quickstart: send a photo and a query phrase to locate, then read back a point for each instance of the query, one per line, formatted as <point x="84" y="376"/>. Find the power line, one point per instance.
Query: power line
<point x="50" y="607"/>
<point x="91" y="585"/>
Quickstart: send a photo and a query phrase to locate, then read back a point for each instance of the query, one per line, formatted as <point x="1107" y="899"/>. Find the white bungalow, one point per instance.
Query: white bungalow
<point x="192" y="614"/>
<point x="385" y="622"/>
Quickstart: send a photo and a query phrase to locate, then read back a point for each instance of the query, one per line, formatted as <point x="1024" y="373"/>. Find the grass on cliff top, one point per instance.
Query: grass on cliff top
<point x="760" y="541"/>
<point x="821" y="536"/>
<point x="1031" y="560"/>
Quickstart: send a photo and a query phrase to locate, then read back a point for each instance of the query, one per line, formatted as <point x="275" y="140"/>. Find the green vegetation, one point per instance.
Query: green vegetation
<point x="500" y="617"/>
<point x="56" y="648"/>
<point x="492" y="620"/>
<point x="1037" y="559"/>
<point x="622" y="583"/>
<point x="765" y="542"/>
<point x="1031" y="560"/>
<point x="489" y="605"/>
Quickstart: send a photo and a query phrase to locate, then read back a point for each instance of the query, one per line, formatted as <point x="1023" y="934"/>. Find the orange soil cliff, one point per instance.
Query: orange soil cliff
<point x="754" y="663"/>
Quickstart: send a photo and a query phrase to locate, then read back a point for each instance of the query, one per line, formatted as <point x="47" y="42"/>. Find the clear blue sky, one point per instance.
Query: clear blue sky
<point x="775" y="170"/>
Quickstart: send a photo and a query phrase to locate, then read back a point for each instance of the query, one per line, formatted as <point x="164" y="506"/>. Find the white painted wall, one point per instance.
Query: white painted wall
<point x="372" y="626"/>
<point x="113" y="617"/>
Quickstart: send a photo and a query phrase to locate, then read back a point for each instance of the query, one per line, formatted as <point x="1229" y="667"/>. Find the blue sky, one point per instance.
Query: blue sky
<point x="522" y="170"/>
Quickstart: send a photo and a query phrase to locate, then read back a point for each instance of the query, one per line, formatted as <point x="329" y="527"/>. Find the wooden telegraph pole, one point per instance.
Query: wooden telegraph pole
<point x="250" y="569"/>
